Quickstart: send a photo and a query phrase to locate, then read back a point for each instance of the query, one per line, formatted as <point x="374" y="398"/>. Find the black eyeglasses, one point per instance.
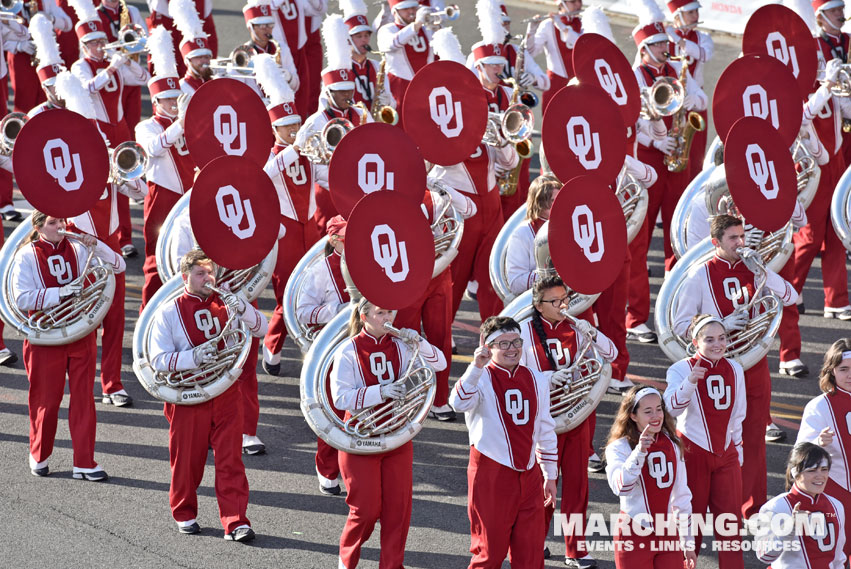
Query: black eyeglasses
<point x="505" y="344"/>
<point x="556" y="302"/>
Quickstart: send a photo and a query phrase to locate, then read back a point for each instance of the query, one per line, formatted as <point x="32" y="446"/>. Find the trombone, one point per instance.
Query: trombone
<point x="131" y="40"/>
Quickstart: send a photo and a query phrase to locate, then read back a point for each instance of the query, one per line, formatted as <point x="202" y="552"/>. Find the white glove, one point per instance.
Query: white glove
<point x="73" y="288"/>
<point x="753" y="236"/>
<point x="182" y="104"/>
<point x="409" y="335"/>
<point x="584" y="328"/>
<point x="561" y="377"/>
<point x="831" y="70"/>
<point x="735" y="321"/>
<point x="666" y="145"/>
<point x="526" y="79"/>
<point x="422" y="15"/>
<point x="691" y="101"/>
<point x="204" y="354"/>
<point x="234" y="303"/>
<point x="117" y="60"/>
<point x="26" y="47"/>
<point x="393" y="391"/>
<point x="752" y="260"/>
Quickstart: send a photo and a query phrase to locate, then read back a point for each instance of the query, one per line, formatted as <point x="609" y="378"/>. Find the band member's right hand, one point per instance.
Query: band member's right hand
<point x="697" y="373"/>
<point x="825" y="437"/>
<point x="561" y="377"/>
<point x="645" y="440"/>
<point x="482" y="355"/>
<point x="392" y="391"/>
<point x="182" y="104"/>
<point x="26" y="47"/>
<point x="735" y="321"/>
<point x="73" y="288"/>
<point x="831" y="70"/>
<point x="422" y="15"/>
<point x="117" y="60"/>
<point x="409" y="335"/>
<point x="526" y="79"/>
<point x="666" y="145"/>
<point x="204" y="354"/>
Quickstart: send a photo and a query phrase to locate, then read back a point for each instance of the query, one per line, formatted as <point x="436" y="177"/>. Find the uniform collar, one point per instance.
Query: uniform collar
<point x="726" y="262"/>
<point x="505" y="370"/>
<point x="375" y="340"/>
<point x="804" y="495"/>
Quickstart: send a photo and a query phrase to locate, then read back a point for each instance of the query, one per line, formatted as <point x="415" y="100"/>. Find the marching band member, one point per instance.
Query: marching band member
<point x="533" y="75"/>
<point x="261" y="23"/>
<point x="822" y="422"/>
<point x="365" y="69"/>
<point x="338" y="91"/>
<point x="552" y="343"/>
<point x="706" y="393"/>
<point x="36" y="285"/>
<point x="293" y="176"/>
<point x="556" y="36"/>
<point x="499" y="396"/>
<point x="644" y="467"/>
<point x="406" y="45"/>
<point x="68" y="42"/>
<point x="50" y="63"/>
<point x="707" y="290"/>
<point x="102" y="222"/>
<point x="178" y="343"/>
<point x="652" y="42"/>
<point x="379" y="485"/>
<point x="195" y="47"/>
<point x="162" y="14"/>
<point x="833" y="44"/>
<point x="806" y="479"/>
<point x="170" y="171"/>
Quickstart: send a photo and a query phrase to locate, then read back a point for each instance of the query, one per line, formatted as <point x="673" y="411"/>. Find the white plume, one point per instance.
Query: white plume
<point x="648" y="12"/>
<point x="353" y="8"/>
<point x="595" y="21"/>
<point x="447" y="47"/>
<point x="490" y="21"/>
<point x="161" y="50"/>
<point x="46" y="48"/>
<point x="70" y="89"/>
<point x="805" y="10"/>
<point x="186" y="19"/>
<point x="85" y="10"/>
<point x="271" y="79"/>
<point x="338" y="50"/>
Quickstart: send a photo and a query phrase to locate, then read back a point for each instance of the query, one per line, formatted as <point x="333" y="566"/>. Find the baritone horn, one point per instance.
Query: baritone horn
<point x="127" y="162"/>
<point x="237" y="64"/>
<point x="662" y="99"/>
<point x="10" y="127"/>
<point x="319" y="146"/>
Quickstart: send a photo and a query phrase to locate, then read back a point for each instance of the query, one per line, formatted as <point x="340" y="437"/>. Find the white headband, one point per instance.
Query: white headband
<point x="644" y="393"/>
<point x="846" y="355"/>
<point x="795" y="472"/>
<point x="703" y="322"/>
<point x="497" y="333"/>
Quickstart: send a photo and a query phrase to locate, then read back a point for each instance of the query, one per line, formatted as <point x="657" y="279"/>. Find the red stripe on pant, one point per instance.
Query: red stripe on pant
<point x="664" y="195"/>
<point x="480" y="232"/>
<point x="327" y="457"/>
<point x="646" y="552"/>
<point x="715" y="482"/>
<point x="379" y="488"/>
<point x="325" y="208"/>
<point x="192" y="430"/>
<point x="291" y="248"/>
<point x="46" y="368"/>
<point x="158" y="204"/>
<point x="506" y="511"/>
<point x="249" y="389"/>
<point x="112" y="332"/>
<point x="834" y="490"/>
<point x="819" y="230"/>
<point x="754" y="476"/>
<point x="573" y="473"/>
<point x="433" y="311"/>
<point x="25" y="83"/>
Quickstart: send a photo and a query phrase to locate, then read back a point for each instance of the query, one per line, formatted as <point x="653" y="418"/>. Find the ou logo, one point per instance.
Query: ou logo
<point x="180" y="146"/>
<point x="59" y="165"/>
<point x="93" y="27"/>
<point x="296" y="172"/>
<point x="587" y="231"/>
<point x="111" y="85"/>
<point x="777" y="47"/>
<point x="207" y="324"/>
<point x="381" y="368"/>
<point x="756" y="104"/>
<point x="719" y="392"/>
<point x="344" y="75"/>
<point x="419" y="44"/>
<point x="288" y="10"/>
<point x="610" y="81"/>
<point x="582" y="141"/>
<point x="172" y="84"/>
<point x="227" y="129"/>
<point x="735" y="292"/>
<point x="517" y="406"/>
<point x="60" y="269"/>
<point x="761" y="170"/>
<point x="388" y="253"/>
<point x="660" y="469"/>
<point x="826" y="536"/>
<point x="561" y="357"/>
<point x="443" y="112"/>
<point x="231" y="214"/>
<point x="371" y="174"/>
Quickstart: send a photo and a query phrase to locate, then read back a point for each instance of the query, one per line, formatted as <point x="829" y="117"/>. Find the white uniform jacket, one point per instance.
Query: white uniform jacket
<point x="320" y="299"/>
<point x="547" y="38"/>
<point x="15" y="33"/>
<point x="157" y="142"/>
<point x="818" y="414"/>
<point x="699" y="53"/>
<point x="129" y="74"/>
<point x="520" y="258"/>
<point x="528" y="358"/>
<point x="286" y="163"/>
<point x="136" y="190"/>
<point x="822" y="104"/>
<point x="392" y="40"/>
<point x="542" y="81"/>
<point x="292" y="9"/>
<point x="457" y="176"/>
<point x="161" y="8"/>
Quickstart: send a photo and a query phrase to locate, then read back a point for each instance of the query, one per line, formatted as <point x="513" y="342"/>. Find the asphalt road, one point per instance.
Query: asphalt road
<point x="61" y="522"/>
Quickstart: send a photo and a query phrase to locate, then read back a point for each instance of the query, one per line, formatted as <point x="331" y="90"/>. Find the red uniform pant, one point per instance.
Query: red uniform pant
<point x="506" y="510"/>
<point x="573" y="472"/>
<point x="6" y="184"/>
<point x="663" y="196"/>
<point x="432" y="313"/>
<point x="325" y="208"/>
<point x="397" y="88"/>
<point x="156" y="19"/>
<point x="327" y="462"/>
<point x="844" y="496"/>
<point x="25" y="83"/>
<point x="789" y="332"/>
<point x="69" y="43"/>
<point x="313" y="53"/>
<point x="715" y="482"/>
<point x="192" y="430"/>
<point x="112" y="333"/>
<point x="117" y="133"/>
<point x="158" y="204"/>
<point x="557" y="82"/>
<point x="610" y="309"/>
<point x="754" y="476"/>
<point x="647" y="552"/>
<point x="302" y="95"/>
<point x="291" y="248"/>
<point x="819" y="230"/>
<point x="379" y="489"/>
<point x="480" y="232"/>
<point x="698" y="148"/>
<point x="248" y="388"/>
<point x="47" y="367"/>
<point x="212" y="36"/>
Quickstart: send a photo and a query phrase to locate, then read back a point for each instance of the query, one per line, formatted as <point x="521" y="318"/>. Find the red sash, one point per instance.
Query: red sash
<point x="288" y="14"/>
<point x="716" y="393"/>
<point x="192" y="81"/>
<point x="201" y="319"/>
<point x="732" y="285"/>
<point x="659" y="474"/>
<point x="332" y="261"/>
<point x="364" y="82"/>
<point x="110" y="93"/>
<point x="299" y="180"/>
<point x="517" y="401"/>
<point x="840" y="409"/>
<point x="820" y="551"/>
<point x="179" y="154"/>
<point x="417" y="53"/>
<point x="561" y="343"/>
<point x="691" y="36"/>
<point x="651" y="74"/>
<point x="57" y="264"/>
<point x="563" y="51"/>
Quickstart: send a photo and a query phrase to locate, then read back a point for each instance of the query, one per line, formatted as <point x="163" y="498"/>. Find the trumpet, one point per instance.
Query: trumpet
<point x="448" y="14"/>
<point x="662" y="99"/>
<point x="237" y="64"/>
<point x="132" y="40"/>
<point x="10" y="127"/>
<point x="127" y="162"/>
<point x="319" y="146"/>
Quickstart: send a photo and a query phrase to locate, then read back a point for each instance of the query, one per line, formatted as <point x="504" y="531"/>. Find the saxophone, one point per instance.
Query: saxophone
<point x="684" y="125"/>
<point x="379" y="112"/>
<point x="508" y="182"/>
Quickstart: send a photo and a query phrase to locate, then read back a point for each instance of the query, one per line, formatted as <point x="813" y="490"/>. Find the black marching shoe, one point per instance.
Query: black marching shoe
<point x="40" y="472"/>
<point x="271" y="369"/>
<point x="242" y="535"/>
<point x="190" y="529"/>
<point x="96" y="476"/>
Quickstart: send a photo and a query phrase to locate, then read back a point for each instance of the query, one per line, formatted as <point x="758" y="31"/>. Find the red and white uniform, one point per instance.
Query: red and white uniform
<point x="39" y="269"/>
<point x="69" y="44"/>
<point x="556" y="37"/>
<point x="170" y="174"/>
<point x="286" y="64"/>
<point x="293" y="26"/>
<point x="718" y="287"/>
<point x="366" y="73"/>
<point x="161" y="17"/>
<point x="406" y="52"/>
<point x="177" y="329"/>
<point x="831" y="411"/>
<point x="563" y="343"/>
<point x="520" y="256"/>
<point x="508" y="417"/>
<point x="131" y="97"/>
<point x="655" y="483"/>
<point x="792" y="551"/>
<point x="379" y="485"/>
<point x="709" y="421"/>
<point x="189" y="83"/>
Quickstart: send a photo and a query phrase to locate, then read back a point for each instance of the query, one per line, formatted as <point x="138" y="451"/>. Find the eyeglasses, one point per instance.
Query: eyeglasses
<point x="556" y="302"/>
<point x="505" y="344"/>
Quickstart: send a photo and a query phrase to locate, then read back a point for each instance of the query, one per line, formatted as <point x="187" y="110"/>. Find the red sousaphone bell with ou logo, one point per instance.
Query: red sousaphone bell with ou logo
<point x="597" y="61"/>
<point x="234" y="211"/>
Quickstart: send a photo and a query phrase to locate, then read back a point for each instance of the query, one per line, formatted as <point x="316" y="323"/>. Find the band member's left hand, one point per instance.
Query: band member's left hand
<point x="550" y="492"/>
<point x="409" y="335"/>
<point x="585" y="328"/>
<point x="526" y="79"/>
<point x="690" y="561"/>
<point x="666" y="145"/>
<point x="89" y="241"/>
